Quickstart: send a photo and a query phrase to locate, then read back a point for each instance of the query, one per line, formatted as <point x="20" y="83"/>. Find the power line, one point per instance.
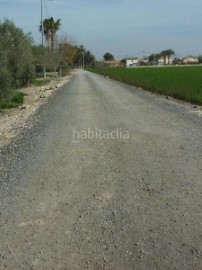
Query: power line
<point x="46" y="9"/>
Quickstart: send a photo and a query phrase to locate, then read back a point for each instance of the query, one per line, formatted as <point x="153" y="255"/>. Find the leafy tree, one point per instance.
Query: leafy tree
<point x="108" y="57"/>
<point x="79" y="59"/>
<point x="123" y="61"/>
<point x="153" y="58"/>
<point x="43" y="57"/>
<point x="16" y="47"/>
<point x="89" y="59"/>
<point x="200" y="59"/>
<point x="39" y="57"/>
<point x="84" y="57"/>
<point x="67" y="53"/>
<point x="27" y="68"/>
<point x="177" y="61"/>
<point x="67" y="50"/>
<point x="5" y="78"/>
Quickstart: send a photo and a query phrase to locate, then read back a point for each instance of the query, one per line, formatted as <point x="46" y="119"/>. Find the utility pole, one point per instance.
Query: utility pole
<point x="42" y="40"/>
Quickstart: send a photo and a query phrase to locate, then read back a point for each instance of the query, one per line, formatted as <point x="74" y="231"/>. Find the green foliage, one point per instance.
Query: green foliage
<point x="17" y="54"/>
<point x="38" y="82"/>
<point x="89" y="59"/>
<point x="15" y="100"/>
<point x="108" y="57"/>
<point x="18" y="98"/>
<point x="84" y="57"/>
<point x="166" y="54"/>
<point x="16" y="58"/>
<point x="5" y="83"/>
<point x="8" y="105"/>
<point x="67" y="53"/>
<point x="123" y="61"/>
<point x="178" y="82"/>
<point x="200" y="59"/>
<point x="50" y="27"/>
<point x="43" y="57"/>
<point x="79" y="57"/>
<point x="5" y="76"/>
<point x="65" y="71"/>
<point x="153" y="58"/>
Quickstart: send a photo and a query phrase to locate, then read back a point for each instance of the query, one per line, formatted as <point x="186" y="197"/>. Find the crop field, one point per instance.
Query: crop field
<point x="179" y="82"/>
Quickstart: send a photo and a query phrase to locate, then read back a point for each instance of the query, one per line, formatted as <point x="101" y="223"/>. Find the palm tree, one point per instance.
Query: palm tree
<point x="50" y="28"/>
<point x="153" y="58"/>
<point x="170" y="53"/>
<point x="166" y="54"/>
<point x="46" y="31"/>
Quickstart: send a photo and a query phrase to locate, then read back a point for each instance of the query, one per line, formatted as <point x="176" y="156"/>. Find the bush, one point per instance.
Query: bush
<point x="5" y="77"/>
<point x="16" y="100"/>
<point x="8" y="105"/>
<point x="5" y="85"/>
<point x="16" y="53"/>
<point x="65" y="71"/>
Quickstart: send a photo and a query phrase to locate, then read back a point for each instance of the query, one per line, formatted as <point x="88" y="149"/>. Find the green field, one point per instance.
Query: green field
<point x="179" y="82"/>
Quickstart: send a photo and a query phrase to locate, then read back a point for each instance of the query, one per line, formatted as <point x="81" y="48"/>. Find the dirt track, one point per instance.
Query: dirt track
<point x="68" y="202"/>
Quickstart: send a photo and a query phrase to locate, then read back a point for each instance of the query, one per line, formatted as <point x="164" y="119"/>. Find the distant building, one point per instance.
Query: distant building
<point x="131" y="62"/>
<point x="168" y="61"/>
<point x="190" y="60"/>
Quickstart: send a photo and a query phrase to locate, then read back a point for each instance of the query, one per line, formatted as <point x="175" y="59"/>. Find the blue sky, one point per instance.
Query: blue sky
<point x="124" y="28"/>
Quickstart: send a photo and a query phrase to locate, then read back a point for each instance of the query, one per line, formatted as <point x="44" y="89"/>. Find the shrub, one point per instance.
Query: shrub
<point x="16" y="100"/>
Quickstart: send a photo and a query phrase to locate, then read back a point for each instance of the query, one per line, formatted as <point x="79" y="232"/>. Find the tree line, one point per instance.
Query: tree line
<point x="165" y="54"/>
<point x="21" y="60"/>
<point x="153" y="58"/>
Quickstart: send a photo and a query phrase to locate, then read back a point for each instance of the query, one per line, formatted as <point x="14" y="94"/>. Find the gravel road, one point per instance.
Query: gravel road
<point x="129" y="200"/>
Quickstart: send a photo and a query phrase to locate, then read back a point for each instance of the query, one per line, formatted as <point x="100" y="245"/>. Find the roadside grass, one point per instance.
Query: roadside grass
<point x="15" y="101"/>
<point x="38" y="82"/>
<point x="184" y="83"/>
<point x="65" y="72"/>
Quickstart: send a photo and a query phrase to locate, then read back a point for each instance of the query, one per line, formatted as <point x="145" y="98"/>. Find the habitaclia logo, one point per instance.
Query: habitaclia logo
<point x="99" y="134"/>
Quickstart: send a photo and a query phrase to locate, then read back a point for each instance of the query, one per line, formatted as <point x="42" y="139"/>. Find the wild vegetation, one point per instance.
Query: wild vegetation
<point x="108" y="56"/>
<point x="22" y="61"/>
<point x="16" y="60"/>
<point x="178" y="82"/>
<point x="14" y="101"/>
<point x="165" y="54"/>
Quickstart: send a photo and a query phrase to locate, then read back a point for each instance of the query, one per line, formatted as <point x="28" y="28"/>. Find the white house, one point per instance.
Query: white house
<point x="131" y="62"/>
<point x="190" y="60"/>
<point x="168" y="61"/>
